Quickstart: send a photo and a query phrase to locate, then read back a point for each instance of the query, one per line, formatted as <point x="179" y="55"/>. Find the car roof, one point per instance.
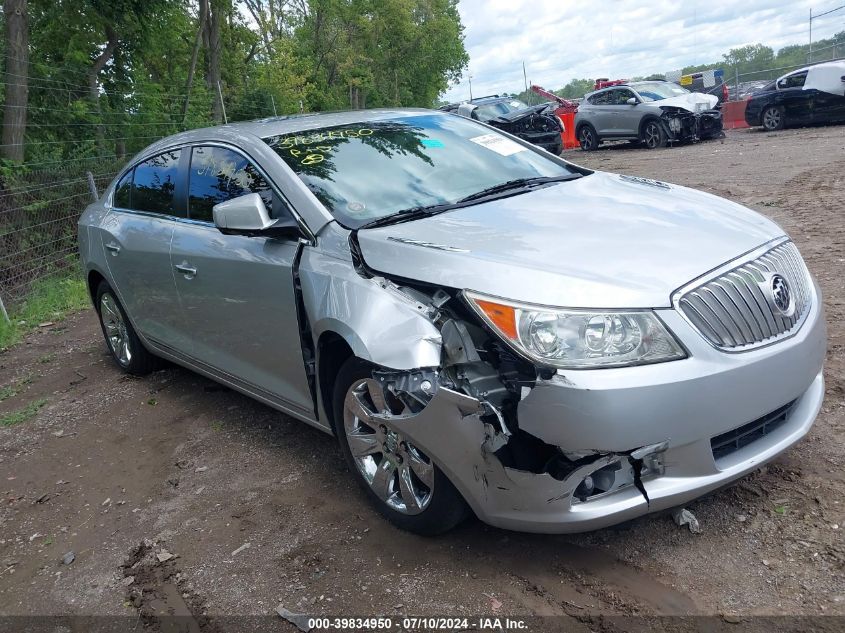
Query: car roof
<point x="290" y="124"/>
<point x="834" y="64"/>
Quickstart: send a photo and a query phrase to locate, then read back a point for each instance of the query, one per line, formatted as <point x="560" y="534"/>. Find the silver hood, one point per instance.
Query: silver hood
<point x="602" y="241"/>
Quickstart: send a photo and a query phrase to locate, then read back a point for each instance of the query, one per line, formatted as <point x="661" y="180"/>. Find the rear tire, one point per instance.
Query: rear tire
<point x="588" y="138"/>
<point x="122" y="341"/>
<point x="437" y="506"/>
<point x="773" y="118"/>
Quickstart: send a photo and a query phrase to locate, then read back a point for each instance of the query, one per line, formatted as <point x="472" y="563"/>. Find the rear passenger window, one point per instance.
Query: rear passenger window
<point x="155" y="184"/>
<point x="122" y="192"/>
<point x="219" y="174"/>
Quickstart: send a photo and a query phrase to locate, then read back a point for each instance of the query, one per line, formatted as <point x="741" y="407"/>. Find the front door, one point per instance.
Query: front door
<point x="237" y="293"/>
<point x="626" y="117"/>
<point x="828" y="107"/>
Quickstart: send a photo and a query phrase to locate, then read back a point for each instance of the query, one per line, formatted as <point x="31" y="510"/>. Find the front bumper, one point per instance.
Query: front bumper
<point x="683" y="403"/>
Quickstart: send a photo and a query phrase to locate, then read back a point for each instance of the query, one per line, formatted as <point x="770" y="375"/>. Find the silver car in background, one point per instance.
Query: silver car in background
<point x="483" y="326"/>
<point x="653" y="113"/>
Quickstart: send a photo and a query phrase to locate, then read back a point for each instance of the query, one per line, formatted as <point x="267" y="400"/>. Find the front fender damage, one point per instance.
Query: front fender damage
<point x="462" y="406"/>
<point x="465" y="415"/>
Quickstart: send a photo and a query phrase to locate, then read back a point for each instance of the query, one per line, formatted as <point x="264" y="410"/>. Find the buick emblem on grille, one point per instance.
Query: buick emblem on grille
<point x="781" y="295"/>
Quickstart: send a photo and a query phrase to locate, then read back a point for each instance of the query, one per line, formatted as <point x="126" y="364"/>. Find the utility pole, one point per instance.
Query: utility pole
<point x="274" y="105"/>
<point x="470" y="86"/>
<point x="222" y="105"/>
<point x="810" y="54"/>
<point x="525" y="78"/>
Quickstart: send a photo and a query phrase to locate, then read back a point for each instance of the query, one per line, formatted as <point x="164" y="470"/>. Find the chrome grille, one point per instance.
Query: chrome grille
<point x="735" y="311"/>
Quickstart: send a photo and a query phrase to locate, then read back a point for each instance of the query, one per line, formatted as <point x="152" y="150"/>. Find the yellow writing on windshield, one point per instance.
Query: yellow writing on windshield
<point x="322" y="137"/>
<point x="305" y="148"/>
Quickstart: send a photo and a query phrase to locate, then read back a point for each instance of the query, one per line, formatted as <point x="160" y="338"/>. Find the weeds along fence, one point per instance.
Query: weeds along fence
<point x="40" y="205"/>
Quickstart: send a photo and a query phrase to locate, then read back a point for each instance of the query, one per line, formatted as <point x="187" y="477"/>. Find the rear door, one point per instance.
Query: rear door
<point x="798" y="104"/>
<point x="237" y="293"/>
<point x="136" y="235"/>
<point x="601" y="114"/>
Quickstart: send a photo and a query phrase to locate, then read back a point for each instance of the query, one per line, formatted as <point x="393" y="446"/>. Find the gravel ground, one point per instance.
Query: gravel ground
<point x="257" y="510"/>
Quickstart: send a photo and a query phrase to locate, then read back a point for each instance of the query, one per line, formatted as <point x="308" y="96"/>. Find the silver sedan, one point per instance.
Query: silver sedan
<point x="486" y="328"/>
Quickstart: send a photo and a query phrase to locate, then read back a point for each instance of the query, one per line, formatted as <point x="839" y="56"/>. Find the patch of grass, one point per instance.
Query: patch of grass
<point x="22" y="415"/>
<point x="217" y="425"/>
<point x="50" y="299"/>
<point x="10" y="391"/>
<point x="47" y="358"/>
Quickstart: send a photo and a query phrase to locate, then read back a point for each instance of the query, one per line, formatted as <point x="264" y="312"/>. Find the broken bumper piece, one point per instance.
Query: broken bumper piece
<point x="666" y="419"/>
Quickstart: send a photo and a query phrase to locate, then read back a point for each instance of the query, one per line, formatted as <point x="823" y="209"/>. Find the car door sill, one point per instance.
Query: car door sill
<point x="246" y="388"/>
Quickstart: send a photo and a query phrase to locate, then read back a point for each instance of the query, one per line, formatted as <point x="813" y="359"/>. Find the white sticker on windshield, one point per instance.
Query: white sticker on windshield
<point x="498" y="144"/>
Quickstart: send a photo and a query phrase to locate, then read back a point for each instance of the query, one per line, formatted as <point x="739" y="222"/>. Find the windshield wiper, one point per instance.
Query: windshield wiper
<point x="408" y="215"/>
<point x="516" y="184"/>
<point x="511" y="186"/>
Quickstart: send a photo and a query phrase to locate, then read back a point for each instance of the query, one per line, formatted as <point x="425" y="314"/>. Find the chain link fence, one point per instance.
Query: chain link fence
<point x="40" y="204"/>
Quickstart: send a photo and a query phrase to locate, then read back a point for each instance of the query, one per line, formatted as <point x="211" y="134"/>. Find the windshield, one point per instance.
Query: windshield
<point x="657" y="90"/>
<point x="368" y="170"/>
<point x="489" y="111"/>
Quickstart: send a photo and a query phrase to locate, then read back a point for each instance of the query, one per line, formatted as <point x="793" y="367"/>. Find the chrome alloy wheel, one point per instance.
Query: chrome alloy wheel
<point x="115" y="328"/>
<point x="651" y="135"/>
<point x="398" y="473"/>
<point x="586" y="138"/>
<point x="772" y="118"/>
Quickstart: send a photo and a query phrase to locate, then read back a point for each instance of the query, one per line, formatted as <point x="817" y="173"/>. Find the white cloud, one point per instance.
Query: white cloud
<point x="560" y="41"/>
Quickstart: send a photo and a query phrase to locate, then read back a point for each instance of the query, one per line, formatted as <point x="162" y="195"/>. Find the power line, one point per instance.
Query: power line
<point x="106" y="140"/>
<point x="827" y="12"/>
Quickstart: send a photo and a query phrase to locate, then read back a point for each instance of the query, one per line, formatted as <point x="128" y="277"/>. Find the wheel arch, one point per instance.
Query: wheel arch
<point x="94" y="278"/>
<point x="645" y="121"/>
<point x="332" y="352"/>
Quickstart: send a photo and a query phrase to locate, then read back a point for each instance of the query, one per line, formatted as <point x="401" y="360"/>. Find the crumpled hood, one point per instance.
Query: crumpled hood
<point x="516" y="115"/>
<point x="601" y="241"/>
<point x="693" y="101"/>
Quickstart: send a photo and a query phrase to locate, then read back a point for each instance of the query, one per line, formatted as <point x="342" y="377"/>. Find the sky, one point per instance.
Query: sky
<point x="560" y="40"/>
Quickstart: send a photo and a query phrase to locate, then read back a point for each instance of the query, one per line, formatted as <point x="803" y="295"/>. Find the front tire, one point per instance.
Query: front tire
<point x="403" y="483"/>
<point x="588" y="138"/>
<point x="121" y="339"/>
<point x="773" y="118"/>
<point x="653" y="134"/>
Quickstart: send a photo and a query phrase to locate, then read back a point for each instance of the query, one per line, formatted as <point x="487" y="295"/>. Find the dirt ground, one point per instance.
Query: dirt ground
<point x="258" y="510"/>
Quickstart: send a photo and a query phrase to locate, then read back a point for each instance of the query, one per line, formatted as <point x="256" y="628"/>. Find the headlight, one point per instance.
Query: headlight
<point x="579" y="339"/>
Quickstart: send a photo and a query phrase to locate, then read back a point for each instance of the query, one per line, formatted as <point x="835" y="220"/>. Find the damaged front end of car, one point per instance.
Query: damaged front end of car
<point x="683" y="126"/>
<point x="537" y="124"/>
<point x="542" y="448"/>
<point x="466" y="414"/>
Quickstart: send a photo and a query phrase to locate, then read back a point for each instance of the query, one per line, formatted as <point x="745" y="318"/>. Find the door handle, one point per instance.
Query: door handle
<point x="113" y="247"/>
<point x="186" y="269"/>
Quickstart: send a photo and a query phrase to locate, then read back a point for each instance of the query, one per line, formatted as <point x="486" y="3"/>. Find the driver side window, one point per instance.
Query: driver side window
<point x="218" y="174"/>
<point x="621" y="96"/>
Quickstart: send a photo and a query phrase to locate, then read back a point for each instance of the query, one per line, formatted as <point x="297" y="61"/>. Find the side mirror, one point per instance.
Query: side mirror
<point x="632" y="101"/>
<point x="247" y="215"/>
